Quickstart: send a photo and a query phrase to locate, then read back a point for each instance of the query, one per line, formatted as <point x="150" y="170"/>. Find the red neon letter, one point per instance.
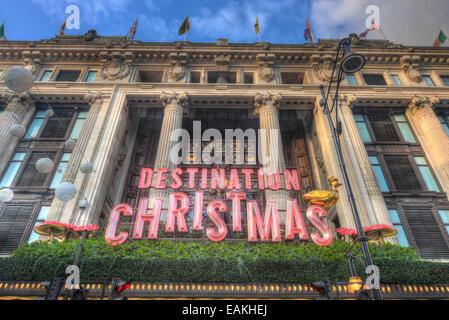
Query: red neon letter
<point x="145" y="178"/>
<point x="204" y="178"/>
<point x="109" y="236"/>
<point x="152" y="218"/>
<point x="236" y="211"/>
<point x="159" y="178"/>
<point x="277" y="184"/>
<point x="234" y="182"/>
<point x="175" y="212"/>
<point x="247" y="173"/>
<point x="295" y="223"/>
<point x="215" y="178"/>
<point x="192" y="172"/>
<point x="312" y="212"/>
<point x="177" y="183"/>
<point x="291" y="179"/>
<point x="271" y="221"/>
<point x="222" y="230"/>
<point x="198" y="211"/>
<point x="260" y="178"/>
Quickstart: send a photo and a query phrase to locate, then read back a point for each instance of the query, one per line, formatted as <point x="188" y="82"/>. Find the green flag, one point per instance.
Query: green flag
<point x="440" y="39"/>
<point x="2" y="31"/>
<point x="185" y="26"/>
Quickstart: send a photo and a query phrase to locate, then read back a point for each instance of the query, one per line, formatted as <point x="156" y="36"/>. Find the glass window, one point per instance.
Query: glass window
<point x="445" y="80"/>
<point x="78" y="126"/>
<point x="363" y="130"/>
<point x="404" y="128"/>
<point x="60" y="170"/>
<point x="1" y="72"/>
<point x="36" y="125"/>
<point x="351" y="80"/>
<point x="426" y="174"/>
<point x="402" y="238"/>
<point x="12" y="170"/>
<point x="444" y="124"/>
<point x="46" y="75"/>
<point x="374" y="79"/>
<point x="383" y="127"/>
<point x="68" y="75"/>
<point x="91" y="76"/>
<point x="428" y="81"/>
<point x="43" y="212"/>
<point x="379" y="174"/>
<point x="444" y="215"/>
<point x="402" y="173"/>
<point x="396" y="80"/>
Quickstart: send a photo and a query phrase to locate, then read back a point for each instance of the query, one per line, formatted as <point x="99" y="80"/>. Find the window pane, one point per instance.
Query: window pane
<point x="46" y="75"/>
<point x="10" y="174"/>
<point x="394" y="216"/>
<point x="43" y="212"/>
<point x="91" y="76"/>
<point x="77" y="128"/>
<point x="446" y="128"/>
<point x="444" y="214"/>
<point x="82" y="114"/>
<point x="383" y="127"/>
<point x="428" y="81"/>
<point x="374" y="79"/>
<point x="447" y="229"/>
<point x="363" y="130"/>
<point x="399" y="117"/>
<point x="396" y="80"/>
<point x="374" y="160"/>
<point x="58" y="175"/>
<point x="41" y="114"/>
<point x="407" y="134"/>
<point x="402" y="173"/>
<point x="351" y="80"/>
<point x="34" y="128"/>
<point x="66" y="156"/>
<point x="445" y="80"/>
<point x="428" y="178"/>
<point x="30" y="177"/>
<point x="68" y="75"/>
<point x="420" y="161"/>
<point x="402" y="238"/>
<point x="359" y="117"/>
<point x="56" y="126"/>
<point x="380" y="179"/>
<point x="34" y="236"/>
<point x="19" y="156"/>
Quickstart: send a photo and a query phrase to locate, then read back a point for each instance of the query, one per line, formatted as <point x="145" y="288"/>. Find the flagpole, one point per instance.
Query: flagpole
<point x="259" y="36"/>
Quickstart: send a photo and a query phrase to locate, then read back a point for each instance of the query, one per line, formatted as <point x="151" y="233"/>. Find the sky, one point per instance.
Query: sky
<point x="408" y="22"/>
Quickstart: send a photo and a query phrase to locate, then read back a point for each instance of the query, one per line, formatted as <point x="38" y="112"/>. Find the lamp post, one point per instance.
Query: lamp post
<point x="350" y="63"/>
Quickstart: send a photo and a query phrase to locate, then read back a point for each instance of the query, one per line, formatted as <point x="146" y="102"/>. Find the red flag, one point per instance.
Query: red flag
<point x="373" y="27"/>
<point x="62" y="27"/>
<point x="132" y="31"/>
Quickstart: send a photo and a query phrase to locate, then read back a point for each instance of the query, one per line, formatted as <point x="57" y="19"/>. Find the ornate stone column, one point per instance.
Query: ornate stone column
<point x="267" y="108"/>
<point x="58" y="210"/>
<point x="174" y="105"/>
<point x="370" y="193"/>
<point x="431" y="135"/>
<point x="19" y="110"/>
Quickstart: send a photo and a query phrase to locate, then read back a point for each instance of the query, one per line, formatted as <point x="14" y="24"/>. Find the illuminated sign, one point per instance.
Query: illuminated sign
<point x="266" y="228"/>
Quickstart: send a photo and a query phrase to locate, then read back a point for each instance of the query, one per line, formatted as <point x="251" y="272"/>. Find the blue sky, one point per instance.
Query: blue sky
<point x="403" y="21"/>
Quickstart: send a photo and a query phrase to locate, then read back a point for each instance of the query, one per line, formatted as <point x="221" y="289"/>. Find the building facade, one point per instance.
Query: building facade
<point x="120" y="100"/>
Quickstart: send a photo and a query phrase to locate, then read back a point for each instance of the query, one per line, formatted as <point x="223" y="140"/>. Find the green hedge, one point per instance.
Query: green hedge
<point x="201" y="262"/>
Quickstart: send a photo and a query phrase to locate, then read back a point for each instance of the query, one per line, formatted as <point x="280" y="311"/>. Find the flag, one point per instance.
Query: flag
<point x="132" y="31"/>
<point x="62" y="27"/>
<point x="440" y="39"/>
<point x="371" y="28"/>
<point x="308" y="32"/>
<point x="256" y="25"/>
<point x="2" y="31"/>
<point x="185" y="26"/>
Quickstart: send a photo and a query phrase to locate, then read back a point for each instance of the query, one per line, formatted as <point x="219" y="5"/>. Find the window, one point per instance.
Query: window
<point x="79" y="123"/>
<point x="383" y="127"/>
<point x="57" y="125"/>
<point x="13" y="221"/>
<point x="91" y="76"/>
<point x="195" y="77"/>
<point x="379" y="174"/>
<point x="428" y="81"/>
<point x="150" y="76"/>
<point x="292" y="77"/>
<point x="36" y="124"/>
<point x="1" y="72"/>
<point x="12" y="170"/>
<point x="426" y="174"/>
<point x="402" y="238"/>
<point x="444" y="122"/>
<point x="60" y="170"/>
<point x="68" y="75"/>
<point x="445" y="80"/>
<point x="374" y="79"/>
<point x="402" y="173"/>
<point x="46" y="75"/>
<point x="221" y="77"/>
<point x="351" y="80"/>
<point x="43" y="213"/>
<point x="248" y="77"/>
<point x="396" y="80"/>
<point x="444" y="215"/>
<point x="29" y="176"/>
<point x="404" y="128"/>
<point x="363" y="130"/>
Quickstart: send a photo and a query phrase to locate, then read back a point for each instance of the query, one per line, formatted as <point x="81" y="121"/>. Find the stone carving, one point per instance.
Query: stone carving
<point x="32" y="66"/>
<point x="410" y="65"/>
<point x="115" y="68"/>
<point x="222" y="63"/>
<point x="348" y="99"/>
<point x="23" y="98"/>
<point x="93" y="98"/>
<point x="264" y="100"/>
<point x="175" y="100"/>
<point x="177" y="71"/>
<point x="90" y="35"/>
<point x="266" y="72"/>
<point x="322" y="67"/>
<point x="418" y="102"/>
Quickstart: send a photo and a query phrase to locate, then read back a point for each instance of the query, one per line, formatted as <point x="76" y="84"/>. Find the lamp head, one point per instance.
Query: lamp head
<point x="352" y="62"/>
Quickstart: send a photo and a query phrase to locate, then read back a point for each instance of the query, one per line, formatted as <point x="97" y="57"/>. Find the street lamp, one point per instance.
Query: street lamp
<point x="351" y="62"/>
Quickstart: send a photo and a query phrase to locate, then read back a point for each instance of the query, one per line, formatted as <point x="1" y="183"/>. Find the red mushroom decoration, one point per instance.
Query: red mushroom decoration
<point x="380" y="232"/>
<point x="51" y="229"/>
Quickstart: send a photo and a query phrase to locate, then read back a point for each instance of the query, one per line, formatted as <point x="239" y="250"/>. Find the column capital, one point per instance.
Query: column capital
<point x="23" y="98"/>
<point x="94" y="98"/>
<point x="418" y="102"/>
<point x="266" y="100"/>
<point x="348" y="99"/>
<point x="174" y="99"/>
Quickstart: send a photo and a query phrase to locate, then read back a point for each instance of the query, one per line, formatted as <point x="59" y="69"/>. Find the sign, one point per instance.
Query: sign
<point x="259" y="228"/>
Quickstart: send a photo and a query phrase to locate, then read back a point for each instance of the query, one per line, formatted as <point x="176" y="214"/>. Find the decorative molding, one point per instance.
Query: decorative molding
<point x="222" y="62"/>
<point x="23" y="98"/>
<point x="418" y="102"/>
<point x="410" y="65"/>
<point x="94" y="98"/>
<point x="347" y="99"/>
<point x="266" y="100"/>
<point x="178" y="65"/>
<point x="322" y="66"/>
<point x="265" y="67"/>
<point x="175" y="100"/>
<point x="115" y="65"/>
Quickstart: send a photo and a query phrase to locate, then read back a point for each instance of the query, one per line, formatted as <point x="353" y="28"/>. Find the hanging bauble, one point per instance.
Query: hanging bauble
<point x="86" y="167"/>
<point x="70" y="143"/>
<point x="18" y="79"/>
<point x="6" y="195"/>
<point x="44" y="165"/>
<point x="18" y="130"/>
<point x="50" y="112"/>
<point x="65" y="191"/>
<point x="82" y="204"/>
